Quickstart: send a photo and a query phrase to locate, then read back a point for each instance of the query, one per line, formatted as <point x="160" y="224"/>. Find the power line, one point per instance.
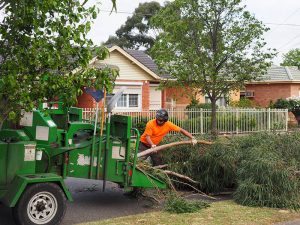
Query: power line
<point x="289" y="16"/>
<point x="285" y="24"/>
<point x="287" y="43"/>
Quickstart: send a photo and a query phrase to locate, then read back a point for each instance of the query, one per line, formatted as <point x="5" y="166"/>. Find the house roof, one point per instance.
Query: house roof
<point x="282" y="74"/>
<point x="143" y="60"/>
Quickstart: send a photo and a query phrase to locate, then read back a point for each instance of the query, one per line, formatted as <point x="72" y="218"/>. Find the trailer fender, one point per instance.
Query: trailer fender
<point x="20" y="182"/>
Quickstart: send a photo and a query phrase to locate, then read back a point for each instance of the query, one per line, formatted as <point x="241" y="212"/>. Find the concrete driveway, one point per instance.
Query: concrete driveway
<point x="91" y="204"/>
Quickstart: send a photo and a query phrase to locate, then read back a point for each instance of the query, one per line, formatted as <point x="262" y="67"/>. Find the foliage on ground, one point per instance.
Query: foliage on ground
<point x="220" y="213"/>
<point x="178" y="204"/>
<point x="260" y="168"/>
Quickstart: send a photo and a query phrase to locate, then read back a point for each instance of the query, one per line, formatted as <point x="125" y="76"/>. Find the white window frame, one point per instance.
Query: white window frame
<point x="127" y="107"/>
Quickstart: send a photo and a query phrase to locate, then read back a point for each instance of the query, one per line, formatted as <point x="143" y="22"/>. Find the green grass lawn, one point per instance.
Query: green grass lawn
<point x="220" y="213"/>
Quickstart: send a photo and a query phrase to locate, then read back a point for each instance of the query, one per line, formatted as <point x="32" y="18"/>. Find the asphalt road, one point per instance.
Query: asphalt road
<point x="91" y="204"/>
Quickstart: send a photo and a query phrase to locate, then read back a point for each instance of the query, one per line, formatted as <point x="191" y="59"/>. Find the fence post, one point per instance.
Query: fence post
<point x="237" y="121"/>
<point x="201" y="121"/>
<point x="269" y="119"/>
<point x="286" y="119"/>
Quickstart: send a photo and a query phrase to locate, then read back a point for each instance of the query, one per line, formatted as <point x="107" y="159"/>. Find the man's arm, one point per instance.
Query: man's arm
<point x="150" y="141"/>
<point x="188" y="134"/>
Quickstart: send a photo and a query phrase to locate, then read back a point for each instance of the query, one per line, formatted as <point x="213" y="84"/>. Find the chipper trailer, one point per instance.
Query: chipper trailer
<point x="52" y="144"/>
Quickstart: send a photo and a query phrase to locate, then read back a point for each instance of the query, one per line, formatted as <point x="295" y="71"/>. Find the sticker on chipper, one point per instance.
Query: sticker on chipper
<point x="26" y="119"/>
<point x="29" y="152"/>
<point x="84" y="160"/>
<point x="42" y="133"/>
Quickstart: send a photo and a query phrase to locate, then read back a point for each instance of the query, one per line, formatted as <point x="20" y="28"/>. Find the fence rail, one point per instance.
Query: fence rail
<point x="198" y="121"/>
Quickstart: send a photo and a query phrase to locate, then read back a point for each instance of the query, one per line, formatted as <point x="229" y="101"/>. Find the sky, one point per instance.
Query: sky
<point x="281" y="16"/>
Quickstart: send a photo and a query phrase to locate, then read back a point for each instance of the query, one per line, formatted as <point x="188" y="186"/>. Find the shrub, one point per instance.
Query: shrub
<point x="293" y="105"/>
<point x="196" y="105"/>
<point x="141" y="124"/>
<point x="242" y="103"/>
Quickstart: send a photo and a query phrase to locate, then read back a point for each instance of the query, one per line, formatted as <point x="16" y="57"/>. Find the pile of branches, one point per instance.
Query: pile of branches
<point x="261" y="169"/>
<point x="174" y="202"/>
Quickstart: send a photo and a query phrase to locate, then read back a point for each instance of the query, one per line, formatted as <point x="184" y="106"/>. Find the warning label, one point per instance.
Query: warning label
<point x="29" y="154"/>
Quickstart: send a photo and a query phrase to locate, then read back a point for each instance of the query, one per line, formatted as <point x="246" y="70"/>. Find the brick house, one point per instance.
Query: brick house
<point x="279" y="82"/>
<point x="139" y="73"/>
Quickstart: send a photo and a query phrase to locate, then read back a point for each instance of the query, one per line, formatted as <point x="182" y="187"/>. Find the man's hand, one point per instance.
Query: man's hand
<point x="194" y="141"/>
<point x="153" y="146"/>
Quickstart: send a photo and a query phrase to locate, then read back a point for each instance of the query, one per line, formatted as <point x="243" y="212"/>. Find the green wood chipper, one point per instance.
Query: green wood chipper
<point x="52" y="144"/>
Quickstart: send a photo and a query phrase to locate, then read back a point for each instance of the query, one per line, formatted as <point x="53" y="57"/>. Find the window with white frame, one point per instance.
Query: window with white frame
<point x="133" y="100"/>
<point x="126" y="100"/>
<point x="122" y="102"/>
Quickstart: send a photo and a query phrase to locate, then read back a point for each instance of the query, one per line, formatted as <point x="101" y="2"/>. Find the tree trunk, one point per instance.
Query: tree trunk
<point x="163" y="147"/>
<point x="214" y="131"/>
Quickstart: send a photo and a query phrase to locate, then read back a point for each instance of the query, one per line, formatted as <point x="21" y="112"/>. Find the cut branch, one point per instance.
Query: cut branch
<point x="180" y="176"/>
<point x="160" y="166"/>
<point x="163" y="147"/>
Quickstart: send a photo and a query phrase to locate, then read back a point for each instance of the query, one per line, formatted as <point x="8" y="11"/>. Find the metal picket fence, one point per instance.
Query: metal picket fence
<point x="198" y="121"/>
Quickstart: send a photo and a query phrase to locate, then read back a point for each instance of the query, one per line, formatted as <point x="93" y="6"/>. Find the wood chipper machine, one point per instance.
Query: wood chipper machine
<point x="52" y="144"/>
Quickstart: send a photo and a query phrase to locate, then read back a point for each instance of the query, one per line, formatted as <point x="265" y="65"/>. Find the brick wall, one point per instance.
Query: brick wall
<point x="145" y="95"/>
<point x="180" y="94"/>
<point x="265" y="93"/>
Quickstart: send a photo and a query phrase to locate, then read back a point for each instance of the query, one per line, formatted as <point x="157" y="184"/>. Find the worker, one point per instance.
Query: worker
<point x="155" y="131"/>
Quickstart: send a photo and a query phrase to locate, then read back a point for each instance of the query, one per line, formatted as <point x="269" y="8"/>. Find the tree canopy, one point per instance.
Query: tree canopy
<point x="214" y="46"/>
<point x="136" y="33"/>
<point x="292" y="58"/>
<point x="44" y="53"/>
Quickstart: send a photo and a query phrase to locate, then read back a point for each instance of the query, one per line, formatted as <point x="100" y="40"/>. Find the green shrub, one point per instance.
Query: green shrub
<point x="242" y="103"/>
<point x="177" y="204"/>
<point x="141" y="124"/>
<point x="293" y="105"/>
<point x="196" y="105"/>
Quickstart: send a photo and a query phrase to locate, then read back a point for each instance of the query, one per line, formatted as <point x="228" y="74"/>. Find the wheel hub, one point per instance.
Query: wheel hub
<point x="42" y="208"/>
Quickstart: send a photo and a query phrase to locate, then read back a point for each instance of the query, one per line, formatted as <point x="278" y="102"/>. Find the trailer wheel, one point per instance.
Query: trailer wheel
<point x="41" y="203"/>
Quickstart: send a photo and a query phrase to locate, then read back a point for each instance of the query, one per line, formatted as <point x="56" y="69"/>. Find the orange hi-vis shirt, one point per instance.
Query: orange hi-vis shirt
<point x="156" y="132"/>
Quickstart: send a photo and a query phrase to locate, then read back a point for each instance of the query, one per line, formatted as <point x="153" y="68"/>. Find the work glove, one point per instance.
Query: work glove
<point x="194" y="141"/>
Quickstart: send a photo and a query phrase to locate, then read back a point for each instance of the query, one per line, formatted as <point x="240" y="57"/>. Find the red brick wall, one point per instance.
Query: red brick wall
<point x="264" y="93"/>
<point x="180" y="94"/>
<point x="145" y="95"/>
<point x="163" y="98"/>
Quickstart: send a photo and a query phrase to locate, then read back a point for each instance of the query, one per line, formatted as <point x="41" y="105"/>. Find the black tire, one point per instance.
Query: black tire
<point x="41" y="203"/>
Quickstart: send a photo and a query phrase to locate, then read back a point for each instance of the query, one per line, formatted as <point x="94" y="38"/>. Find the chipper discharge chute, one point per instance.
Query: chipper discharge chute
<point x="55" y="143"/>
